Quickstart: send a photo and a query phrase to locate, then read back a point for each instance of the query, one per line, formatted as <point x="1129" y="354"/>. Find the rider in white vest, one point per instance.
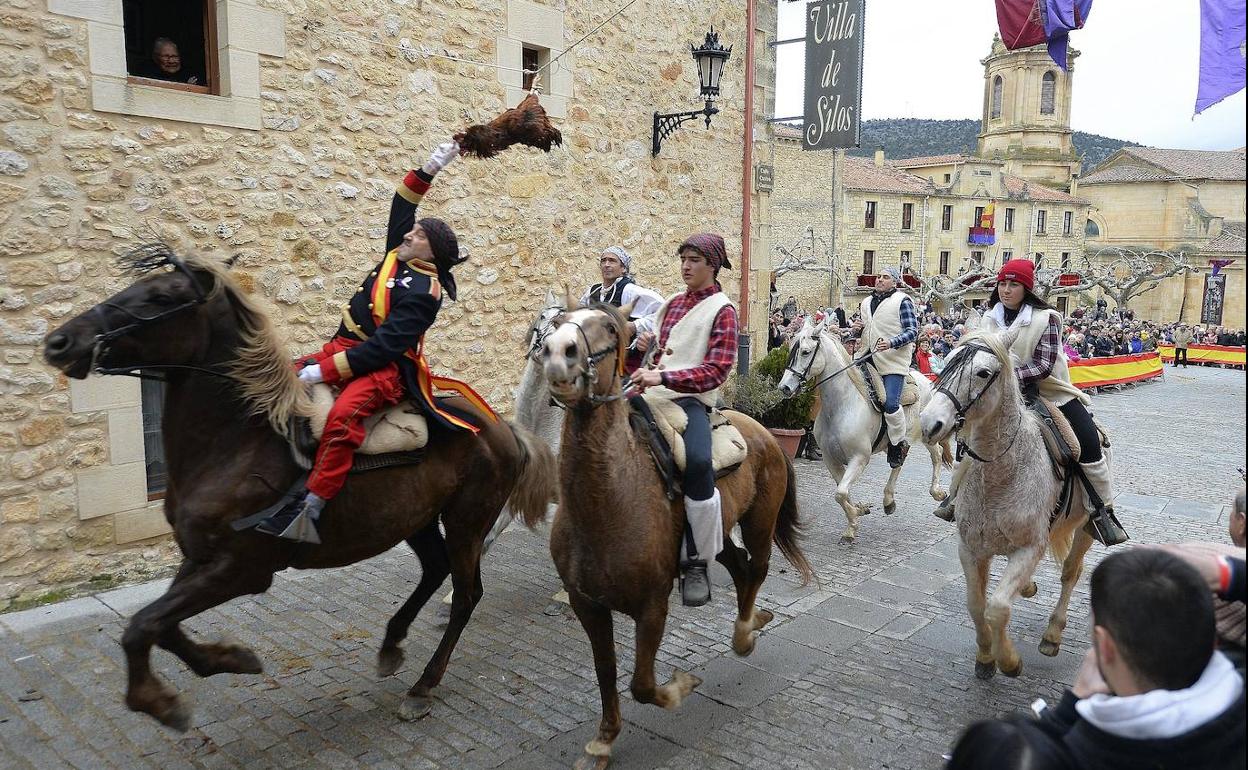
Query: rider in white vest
<point x="697" y="331"/>
<point x="1041" y="365"/>
<point x="890" y="327"/>
<point x="618" y="288"/>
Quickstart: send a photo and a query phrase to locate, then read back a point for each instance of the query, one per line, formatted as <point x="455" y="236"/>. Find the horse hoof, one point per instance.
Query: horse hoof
<point x="762" y="618"/>
<point x="1029" y="591"/>
<point x="685" y="682"/>
<point x="388" y="661"/>
<point x="890" y="509"/>
<point x="244" y="661"/>
<point x="939" y="494"/>
<point x="591" y="762"/>
<point x="415" y="707"/>
<point x="1013" y="672"/>
<point x="985" y="671"/>
<point x="744" y="647"/>
<point x="1049" y="648"/>
<point x="847" y="539"/>
<point x="177" y="717"/>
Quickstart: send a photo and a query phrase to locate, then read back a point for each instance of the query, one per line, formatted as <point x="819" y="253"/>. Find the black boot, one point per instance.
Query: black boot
<point x="695" y="584"/>
<point x="1104" y="527"/>
<point x="897" y="454"/>
<point x="945" y="509"/>
<point x="812" y="446"/>
<point x="294" y="521"/>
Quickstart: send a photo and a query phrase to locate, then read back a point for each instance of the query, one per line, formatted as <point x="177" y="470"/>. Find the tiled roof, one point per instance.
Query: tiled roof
<point x="942" y="160"/>
<point x="785" y="131"/>
<point x="1156" y="164"/>
<point x="1019" y="188"/>
<point x="863" y="174"/>
<point x="1229" y="241"/>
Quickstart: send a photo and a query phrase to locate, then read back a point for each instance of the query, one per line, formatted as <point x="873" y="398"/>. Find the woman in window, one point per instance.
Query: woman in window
<point x="167" y="64"/>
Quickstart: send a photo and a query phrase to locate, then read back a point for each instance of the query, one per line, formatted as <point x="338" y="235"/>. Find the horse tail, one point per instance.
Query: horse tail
<point x="946" y="454"/>
<point x="537" y="484"/>
<point x="1061" y="536"/>
<point x="789" y="527"/>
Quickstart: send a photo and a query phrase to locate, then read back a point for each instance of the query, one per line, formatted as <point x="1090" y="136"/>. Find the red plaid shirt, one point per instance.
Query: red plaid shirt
<point x="721" y="352"/>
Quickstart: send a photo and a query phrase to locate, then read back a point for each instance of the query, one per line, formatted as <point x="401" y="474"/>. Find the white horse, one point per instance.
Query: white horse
<point x="848" y="428"/>
<point x="1005" y="500"/>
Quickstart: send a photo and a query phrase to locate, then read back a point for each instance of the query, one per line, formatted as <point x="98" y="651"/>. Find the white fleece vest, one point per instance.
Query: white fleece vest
<point x="1031" y="323"/>
<point x="885" y="324"/>
<point x="687" y="343"/>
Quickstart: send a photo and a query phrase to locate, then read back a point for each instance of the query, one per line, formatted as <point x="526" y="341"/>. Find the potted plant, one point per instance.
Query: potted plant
<point x="756" y="395"/>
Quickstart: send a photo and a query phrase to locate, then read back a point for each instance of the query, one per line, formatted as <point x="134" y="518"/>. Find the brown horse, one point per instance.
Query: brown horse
<point x="616" y="537"/>
<point x="231" y="397"/>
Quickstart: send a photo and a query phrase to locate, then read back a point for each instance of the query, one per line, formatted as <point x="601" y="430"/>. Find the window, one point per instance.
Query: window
<point x="172" y="44"/>
<point x="1007" y="255"/>
<point x="946" y="218"/>
<point x="1042" y="218"/>
<point x="530" y="60"/>
<point x="1065" y="261"/>
<point x="153" y="400"/>
<point x="1009" y="220"/>
<point x="948" y="178"/>
<point x="997" y="85"/>
<point x="1091" y="229"/>
<point x="907" y="216"/>
<point x="870" y="218"/>
<point x="1068" y="222"/>
<point x="944" y="263"/>
<point x="905" y="261"/>
<point x="1048" y="87"/>
<point x="979" y="217"/>
<point x="1039" y="260"/>
<point x="1062" y="305"/>
<point x="977" y="257"/>
<point x="868" y="262"/>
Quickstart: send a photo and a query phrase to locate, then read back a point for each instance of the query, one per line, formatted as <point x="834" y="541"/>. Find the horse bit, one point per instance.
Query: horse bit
<point x="961" y="409"/>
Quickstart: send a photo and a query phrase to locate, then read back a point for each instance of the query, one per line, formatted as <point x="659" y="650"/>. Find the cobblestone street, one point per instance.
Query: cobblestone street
<point x="872" y="668"/>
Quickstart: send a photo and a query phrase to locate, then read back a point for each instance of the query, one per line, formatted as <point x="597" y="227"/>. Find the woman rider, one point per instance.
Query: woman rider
<point x="1041" y="368"/>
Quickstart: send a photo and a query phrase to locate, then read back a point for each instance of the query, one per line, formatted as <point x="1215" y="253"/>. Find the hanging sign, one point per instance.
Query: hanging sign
<point x="833" y="114"/>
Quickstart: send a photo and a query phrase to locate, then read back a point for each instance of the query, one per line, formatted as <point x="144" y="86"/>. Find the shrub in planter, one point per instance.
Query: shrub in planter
<point x="792" y="413"/>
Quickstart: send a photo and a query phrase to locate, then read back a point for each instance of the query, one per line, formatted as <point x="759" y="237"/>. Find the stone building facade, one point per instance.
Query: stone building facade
<point x="1192" y="201"/>
<point x="288" y="160"/>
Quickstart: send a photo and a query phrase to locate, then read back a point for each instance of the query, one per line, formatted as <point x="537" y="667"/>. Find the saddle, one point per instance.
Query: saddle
<point x="1063" y="449"/>
<point x="870" y="384"/>
<point x="660" y="423"/>
<point x="399" y="428"/>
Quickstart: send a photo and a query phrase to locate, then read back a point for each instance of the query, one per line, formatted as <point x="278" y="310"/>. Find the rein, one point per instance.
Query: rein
<point x="804" y="375"/>
<point x="590" y="375"/>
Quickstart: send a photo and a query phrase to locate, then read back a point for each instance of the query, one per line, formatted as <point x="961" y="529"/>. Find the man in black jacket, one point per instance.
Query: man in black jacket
<point x="1151" y="693"/>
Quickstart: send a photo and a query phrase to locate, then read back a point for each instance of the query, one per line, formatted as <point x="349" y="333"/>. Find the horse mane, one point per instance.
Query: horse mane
<point x="992" y="341"/>
<point x="837" y="345"/>
<point x="262" y="368"/>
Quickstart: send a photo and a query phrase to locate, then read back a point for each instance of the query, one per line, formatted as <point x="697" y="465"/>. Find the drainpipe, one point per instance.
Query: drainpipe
<point x="743" y="337"/>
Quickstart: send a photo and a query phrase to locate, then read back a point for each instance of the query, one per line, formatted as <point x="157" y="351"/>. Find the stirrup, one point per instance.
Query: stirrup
<point x="291" y="523"/>
<point x="897" y="454"/>
<point x="1104" y="527"/>
<point x="944" y="511"/>
<point x="695" y="583"/>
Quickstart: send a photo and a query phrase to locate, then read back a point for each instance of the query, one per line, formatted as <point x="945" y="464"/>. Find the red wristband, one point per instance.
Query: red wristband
<point x="1224" y="575"/>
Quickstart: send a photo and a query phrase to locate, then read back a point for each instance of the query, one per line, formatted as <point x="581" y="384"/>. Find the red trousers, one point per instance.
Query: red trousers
<point x="344" y="429"/>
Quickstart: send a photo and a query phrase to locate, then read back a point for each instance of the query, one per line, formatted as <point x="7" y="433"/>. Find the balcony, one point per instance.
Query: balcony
<point x="867" y="281"/>
<point x="981" y="236"/>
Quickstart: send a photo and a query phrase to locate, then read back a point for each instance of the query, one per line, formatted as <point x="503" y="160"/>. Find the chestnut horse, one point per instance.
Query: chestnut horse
<point x="231" y="399"/>
<point x="616" y="536"/>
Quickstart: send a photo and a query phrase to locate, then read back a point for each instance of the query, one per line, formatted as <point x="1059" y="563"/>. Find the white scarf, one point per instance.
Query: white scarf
<point x="997" y="314"/>
<point x="1166" y="713"/>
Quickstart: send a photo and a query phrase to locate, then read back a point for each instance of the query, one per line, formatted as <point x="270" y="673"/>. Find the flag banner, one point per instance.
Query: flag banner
<point x="1060" y="17"/>
<point x="1211" y="302"/>
<point x="1114" y="370"/>
<point x="1222" y="42"/>
<point x="833" y="97"/>
<point x="1211" y="354"/>
<point x="982" y="236"/>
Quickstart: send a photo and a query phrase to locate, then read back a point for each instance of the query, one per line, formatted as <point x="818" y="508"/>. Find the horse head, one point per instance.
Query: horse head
<point x="164" y="317"/>
<point x="543" y="325"/>
<point x="807" y="358"/>
<point x="965" y="391"/>
<point x="583" y="358"/>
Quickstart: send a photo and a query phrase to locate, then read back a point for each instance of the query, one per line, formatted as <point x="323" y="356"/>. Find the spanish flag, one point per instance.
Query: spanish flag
<point x="985" y="221"/>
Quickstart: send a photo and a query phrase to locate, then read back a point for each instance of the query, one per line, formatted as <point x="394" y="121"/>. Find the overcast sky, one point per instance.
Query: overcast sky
<point x="1134" y="80"/>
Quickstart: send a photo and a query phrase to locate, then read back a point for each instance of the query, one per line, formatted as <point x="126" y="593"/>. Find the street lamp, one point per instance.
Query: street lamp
<point x="710" y="57"/>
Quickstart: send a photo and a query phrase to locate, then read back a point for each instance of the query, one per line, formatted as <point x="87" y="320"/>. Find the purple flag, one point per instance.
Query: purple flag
<point x="1221" y="51"/>
<point x="1060" y="17"/>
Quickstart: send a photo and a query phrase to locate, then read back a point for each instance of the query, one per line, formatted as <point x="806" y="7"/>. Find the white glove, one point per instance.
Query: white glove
<point x="441" y="157"/>
<point x="311" y="374"/>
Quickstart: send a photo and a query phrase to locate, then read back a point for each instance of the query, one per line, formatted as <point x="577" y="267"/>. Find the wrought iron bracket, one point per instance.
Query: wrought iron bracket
<point x="666" y="124"/>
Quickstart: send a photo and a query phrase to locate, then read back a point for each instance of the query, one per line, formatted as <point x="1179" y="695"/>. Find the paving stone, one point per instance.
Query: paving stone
<point x="820" y="634"/>
<point x="1194" y="509"/>
<point x="1142" y="503"/>
<point x="855" y="613"/>
<point x="73" y="615"/>
<point x="885" y="593"/>
<point x="127" y="601"/>
<point x="903" y="626"/>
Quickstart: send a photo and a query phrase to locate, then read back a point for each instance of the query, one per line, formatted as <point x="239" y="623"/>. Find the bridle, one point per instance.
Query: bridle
<point x="104" y="340"/>
<point x="589" y="377"/>
<point x="542" y="328"/>
<point x="804" y="375"/>
<point x="959" y="370"/>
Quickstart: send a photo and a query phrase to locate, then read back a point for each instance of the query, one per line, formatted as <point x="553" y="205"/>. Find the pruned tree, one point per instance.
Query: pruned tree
<point x="811" y="252"/>
<point x="1124" y="273"/>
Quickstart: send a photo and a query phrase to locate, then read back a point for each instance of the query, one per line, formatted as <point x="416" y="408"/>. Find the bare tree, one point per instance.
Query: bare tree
<point x="1124" y="273"/>
<point x="811" y="252"/>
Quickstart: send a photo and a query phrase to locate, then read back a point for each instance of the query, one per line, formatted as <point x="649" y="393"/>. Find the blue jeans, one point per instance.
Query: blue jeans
<point x="893" y="384"/>
<point x="699" y="473"/>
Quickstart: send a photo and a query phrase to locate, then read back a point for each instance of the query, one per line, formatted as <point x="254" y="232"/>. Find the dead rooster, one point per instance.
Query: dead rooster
<point x="526" y="123"/>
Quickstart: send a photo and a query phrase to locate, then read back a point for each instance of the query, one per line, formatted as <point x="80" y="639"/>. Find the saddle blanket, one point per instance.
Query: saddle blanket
<point x="398" y="428"/>
<point x="1059" y="437"/>
<point x="875" y="394"/>
<point x="727" y="443"/>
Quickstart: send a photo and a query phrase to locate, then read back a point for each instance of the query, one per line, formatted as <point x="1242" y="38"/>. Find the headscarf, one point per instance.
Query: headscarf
<point x="710" y="246"/>
<point x="619" y="253"/>
<point x="445" y="249"/>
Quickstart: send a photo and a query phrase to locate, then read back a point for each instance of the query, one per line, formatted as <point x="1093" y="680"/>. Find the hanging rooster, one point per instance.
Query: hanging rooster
<point x="526" y="123"/>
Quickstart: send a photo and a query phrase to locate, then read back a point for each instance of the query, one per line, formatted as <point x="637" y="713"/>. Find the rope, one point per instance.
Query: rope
<point x="316" y="27"/>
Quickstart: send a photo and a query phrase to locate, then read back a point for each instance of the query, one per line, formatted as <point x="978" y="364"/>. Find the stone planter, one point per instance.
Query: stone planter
<point x="788" y="440"/>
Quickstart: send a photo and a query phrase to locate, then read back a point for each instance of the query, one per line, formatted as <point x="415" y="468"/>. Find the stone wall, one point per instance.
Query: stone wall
<point x="346" y="95"/>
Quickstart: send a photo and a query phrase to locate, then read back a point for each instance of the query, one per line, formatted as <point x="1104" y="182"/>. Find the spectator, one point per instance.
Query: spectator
<point x="1070" y="348"/>
<point x="790" y="309"/>
<point x="1136" y="344"/>
<point x="167" y="64"/>
<point x="1103" y="346"/>
<point x="922" y="356"/>
<point x="1182" y="338"/>
<point x="775" y="331"/>
<point x="1151" y="693"/>
<point x="774" y="297"/>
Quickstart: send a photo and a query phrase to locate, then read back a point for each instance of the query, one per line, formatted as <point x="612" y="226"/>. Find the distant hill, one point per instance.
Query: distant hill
<point x="916" y="137"/>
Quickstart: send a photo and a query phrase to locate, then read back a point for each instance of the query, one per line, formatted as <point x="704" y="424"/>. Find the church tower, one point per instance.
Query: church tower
<point x="1026" y="120"/>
